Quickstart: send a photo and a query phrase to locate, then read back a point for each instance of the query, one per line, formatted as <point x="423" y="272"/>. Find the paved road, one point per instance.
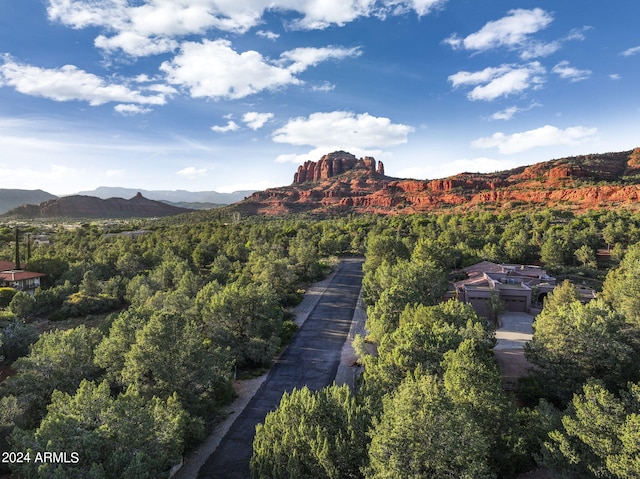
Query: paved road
<point x="311" y="360"/>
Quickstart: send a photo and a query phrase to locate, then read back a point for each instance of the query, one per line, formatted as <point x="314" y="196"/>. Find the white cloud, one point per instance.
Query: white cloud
<point x="130" y="110"/>
<point x="149" y="27"/>
<point x="269" y="35"/>
<point x="513" y="30"/>
<point x="537" y="49"/>
<point x="494" y="82"/>
<point x="255" y="120"/>
<point x="70" y="83"/>
<point x="545" y="136"/>
<point x="506" y="114"/>
<point x="302" y="58"/>
<point x="230" y="126"/>
<point x="567" y="72"/>
<point x="136" y="45"/>
<point x="325" y="87"/>
<point x="631" y="51"/>
<point x="33" y="178"/>
<point x="212" y="69"/>
<point x="424" y="7"/>
<point x="615" y="76"/>
<point x="192" y="172"/>
<point x="509" y="112"/>
<point x="344" y="130"/>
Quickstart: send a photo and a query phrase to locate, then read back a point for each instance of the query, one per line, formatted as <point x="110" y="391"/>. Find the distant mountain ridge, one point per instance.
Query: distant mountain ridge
<point x="11" y="198"/>
<point x="81" y="206"/>
<point x="172" y="196"/>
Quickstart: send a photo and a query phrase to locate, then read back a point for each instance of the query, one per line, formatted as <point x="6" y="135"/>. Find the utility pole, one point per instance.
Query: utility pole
<point x="17" y="247"/>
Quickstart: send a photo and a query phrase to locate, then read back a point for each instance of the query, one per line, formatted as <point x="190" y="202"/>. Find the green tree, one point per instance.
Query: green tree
<point x="574" y="342"/>
<point x="170" y="356"/>
<point x="110" y="353"/>
<point x="621" y="289"/>
<point x="90" y="286"/>
<point x="553" y="252"/>
<point x="473" y="382"/>
<point x="6" y="295"/>
<point x="588" y="436"/>
<point x="425" y="334"/>
<point x="411" y="282"/>
<point x="15" y="338"/>
<point x="586" y="256"/>
<point x="423" y="433"/>
<point x="246" y="318"/>
<point x="126" y="437"/>
<point x="58" y="360"/>
<point x="312" y="435"/>
<point x="22" y="304"/>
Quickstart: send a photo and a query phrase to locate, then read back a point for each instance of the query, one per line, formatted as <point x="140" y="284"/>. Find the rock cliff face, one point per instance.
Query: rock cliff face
<point x="78" y="206"/>
<point x="339" y="183"/>
<point x="335" y="164"/>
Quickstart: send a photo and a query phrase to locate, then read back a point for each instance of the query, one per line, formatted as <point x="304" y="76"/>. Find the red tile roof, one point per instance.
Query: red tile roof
<point x="19" y="275"/>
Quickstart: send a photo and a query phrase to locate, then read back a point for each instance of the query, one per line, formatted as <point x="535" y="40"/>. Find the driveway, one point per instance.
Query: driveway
<point x="514" y="331"/>
<point x="310" y="360"/>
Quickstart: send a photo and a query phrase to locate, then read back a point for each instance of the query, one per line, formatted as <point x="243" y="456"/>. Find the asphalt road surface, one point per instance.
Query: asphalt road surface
<point x="311" y="360"/>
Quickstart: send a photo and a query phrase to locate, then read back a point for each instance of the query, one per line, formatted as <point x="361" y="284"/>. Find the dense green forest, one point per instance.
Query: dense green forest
<point x="145" y="334"/>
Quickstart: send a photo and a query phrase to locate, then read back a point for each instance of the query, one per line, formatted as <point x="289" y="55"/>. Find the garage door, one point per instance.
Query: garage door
<point x="516" y="303"/>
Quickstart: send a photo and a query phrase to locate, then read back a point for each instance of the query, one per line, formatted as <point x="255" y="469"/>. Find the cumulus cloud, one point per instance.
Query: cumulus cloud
<point x="513" y="30"/>
<point x="545" y="136"/>
<point x="255" y="120"/>
<point x="516" y="31"/>
<point x="230" y="126"/>
<point x="70" y="83"/>
<point x="192" y="172"/>
<point x="341" y="130"/>
<point x="213" y="69"/>
<point x="567" y="72"/>
<point x="494" y="82"/>
<point x="135" y="44"/>
<point x="149" y="27"/>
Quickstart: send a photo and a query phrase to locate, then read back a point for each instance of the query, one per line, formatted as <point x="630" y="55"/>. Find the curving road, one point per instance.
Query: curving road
<point x="310" y="360"/>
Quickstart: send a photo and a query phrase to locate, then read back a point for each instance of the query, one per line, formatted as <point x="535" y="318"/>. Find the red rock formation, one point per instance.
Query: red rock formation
<point x="334" y="164"/>
<point x="339" y="182"/>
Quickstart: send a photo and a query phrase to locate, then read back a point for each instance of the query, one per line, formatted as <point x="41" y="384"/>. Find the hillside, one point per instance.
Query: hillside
<point x="171" y="196"/>
<point x="11" y="198"/>
<point x="78" y="206"/>
<point x="337" y="184"/>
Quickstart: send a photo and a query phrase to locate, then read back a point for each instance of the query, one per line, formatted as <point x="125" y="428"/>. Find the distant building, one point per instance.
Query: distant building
<point x="520" y="287"/>
<point x="13" y="277"/>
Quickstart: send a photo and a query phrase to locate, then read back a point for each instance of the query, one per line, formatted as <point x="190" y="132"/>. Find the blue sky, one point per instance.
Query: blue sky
<point x="234" y="94"/>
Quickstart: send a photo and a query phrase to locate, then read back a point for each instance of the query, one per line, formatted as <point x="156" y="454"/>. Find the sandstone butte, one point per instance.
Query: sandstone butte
<point x="341" y="183"/>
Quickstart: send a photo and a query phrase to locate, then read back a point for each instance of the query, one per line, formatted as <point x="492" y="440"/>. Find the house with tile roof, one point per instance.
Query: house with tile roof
<point x="16" y="278"/>
<point x="521" y="288"/>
